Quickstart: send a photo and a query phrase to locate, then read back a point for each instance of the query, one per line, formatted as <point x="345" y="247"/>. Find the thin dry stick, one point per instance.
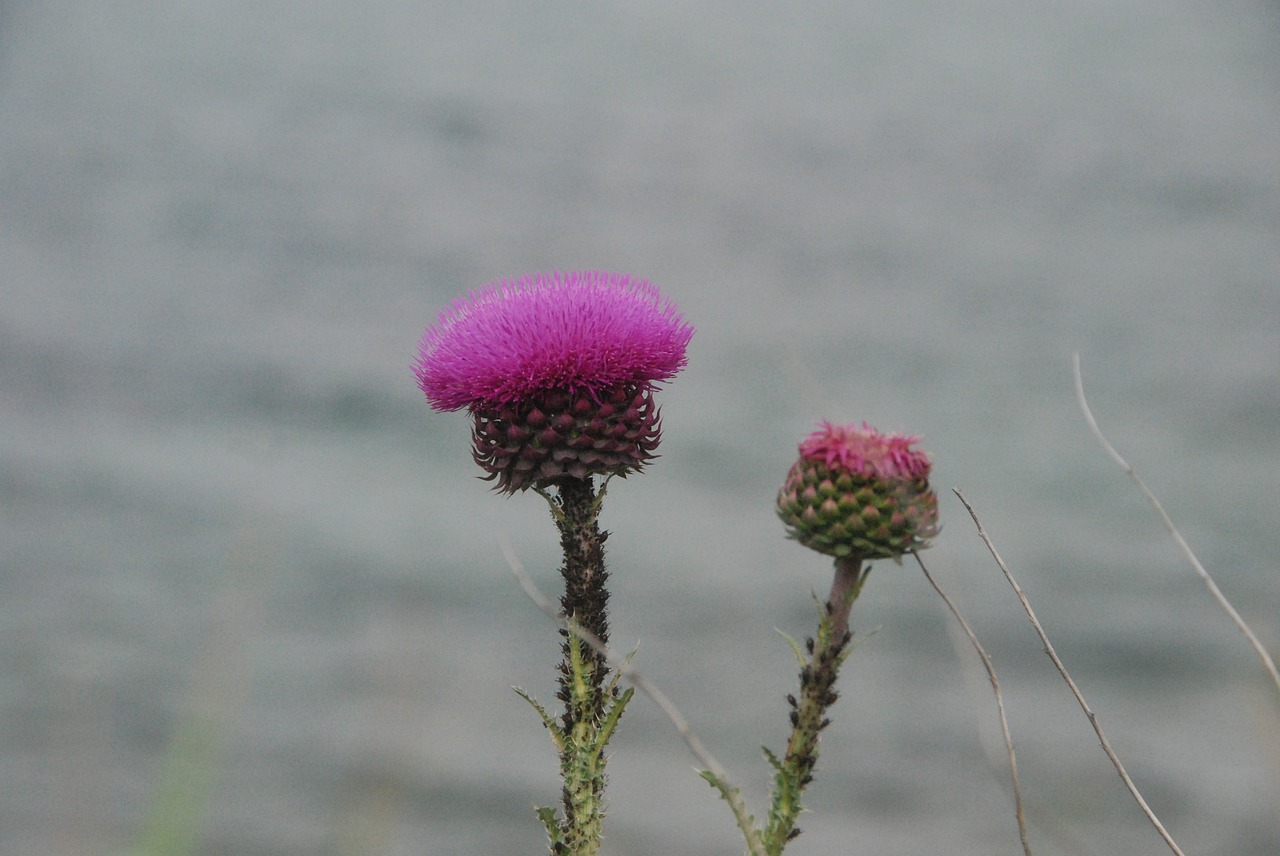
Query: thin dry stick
<point x="626" y="670"/>
<point x="995" y="686"/>
<point x="1062" y="670"/>
<point x="1267" y="661"/>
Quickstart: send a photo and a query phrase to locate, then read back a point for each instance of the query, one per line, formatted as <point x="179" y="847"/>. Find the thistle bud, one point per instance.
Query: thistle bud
<point x="855" y="491"/>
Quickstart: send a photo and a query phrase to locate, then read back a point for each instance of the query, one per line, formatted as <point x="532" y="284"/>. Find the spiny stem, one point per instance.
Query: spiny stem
<point x="844" y="590"/>
<point x="817" y="694"/>
<point x="714" y="771"/>
<point x="591" y="710"/>
<point x="586" y="598"/>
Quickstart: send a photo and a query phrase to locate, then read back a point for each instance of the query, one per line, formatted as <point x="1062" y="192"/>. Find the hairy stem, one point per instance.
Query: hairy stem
<point x="588" y="703"/>
<point x="714" y="772"/>
<point x="586" y="599"/>
<point x="817" y="694"/>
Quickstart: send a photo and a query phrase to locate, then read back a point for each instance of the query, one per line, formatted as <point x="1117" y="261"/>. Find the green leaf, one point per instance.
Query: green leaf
<point x="554" y="505"/>
<point x="617" y="675"/>
<point x="557" y="736"/>
<point x="726" y="793"/>
<point x="773" y="759"/>
<point x="795" y="646"/>
<point x="548" y="818"/>
<point x="611" y="722"/>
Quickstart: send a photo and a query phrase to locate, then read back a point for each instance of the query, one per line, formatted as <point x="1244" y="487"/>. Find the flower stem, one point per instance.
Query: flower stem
<point x="817" y="693"/>
<point x="586" y="598"/>
<point x="591" y="709"/>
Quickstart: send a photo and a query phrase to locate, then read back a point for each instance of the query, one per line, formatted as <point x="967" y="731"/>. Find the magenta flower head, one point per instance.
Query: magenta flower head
<point x="857" y="492"/>
<point x="558" y="371"/>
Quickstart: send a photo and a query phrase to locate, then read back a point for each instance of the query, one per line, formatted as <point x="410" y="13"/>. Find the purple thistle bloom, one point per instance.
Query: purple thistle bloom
<point x="558" y="371"/>
<point x="578" y="331"/>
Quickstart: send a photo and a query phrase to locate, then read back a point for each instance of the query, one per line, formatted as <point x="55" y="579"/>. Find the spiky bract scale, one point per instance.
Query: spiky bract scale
<point x="857" y="492"/>
<point x="557" y="434"/>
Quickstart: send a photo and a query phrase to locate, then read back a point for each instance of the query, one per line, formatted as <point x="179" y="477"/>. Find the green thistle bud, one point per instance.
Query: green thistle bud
<point x="857" y="492"/>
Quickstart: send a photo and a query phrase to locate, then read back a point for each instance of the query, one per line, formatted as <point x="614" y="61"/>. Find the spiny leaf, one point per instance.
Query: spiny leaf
<point x="795" y="646"/>
<point x="617" y="675"/>
<point x="773" y="759"/>
<point x="557" y="736"/>
<point x="726" y="793"/>
<point x="611" y="722"/>
<point x="548" y="818"/>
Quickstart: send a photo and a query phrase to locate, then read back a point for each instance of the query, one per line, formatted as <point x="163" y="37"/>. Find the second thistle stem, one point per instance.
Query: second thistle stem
<point x="817" y="694"/>
<point x="844" y="590"/>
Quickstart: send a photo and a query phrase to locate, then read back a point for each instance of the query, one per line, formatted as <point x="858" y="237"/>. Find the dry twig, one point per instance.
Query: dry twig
<point x="1267" y="661"/>
<point x="995" y="686"/>
<point x="1062" y="670"/>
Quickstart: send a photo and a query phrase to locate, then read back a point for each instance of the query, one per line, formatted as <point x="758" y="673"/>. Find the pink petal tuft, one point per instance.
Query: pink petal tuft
<point x="577" y="331"/>
<point x="863" y="450"/>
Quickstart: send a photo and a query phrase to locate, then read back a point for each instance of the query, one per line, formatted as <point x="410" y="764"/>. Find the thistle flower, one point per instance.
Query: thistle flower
<point x="857" y="492"/>
<point x="558" y="371"/>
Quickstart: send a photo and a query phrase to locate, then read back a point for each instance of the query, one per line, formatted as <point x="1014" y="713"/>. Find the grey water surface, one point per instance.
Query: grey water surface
<point x="247" y="574"/>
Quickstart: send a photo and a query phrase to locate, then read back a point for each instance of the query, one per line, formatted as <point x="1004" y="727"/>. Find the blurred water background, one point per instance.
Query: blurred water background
<point x="248" y="577"/>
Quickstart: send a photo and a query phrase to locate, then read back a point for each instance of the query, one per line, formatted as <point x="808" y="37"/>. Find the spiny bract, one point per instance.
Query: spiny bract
<point x="560" y="434"/>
